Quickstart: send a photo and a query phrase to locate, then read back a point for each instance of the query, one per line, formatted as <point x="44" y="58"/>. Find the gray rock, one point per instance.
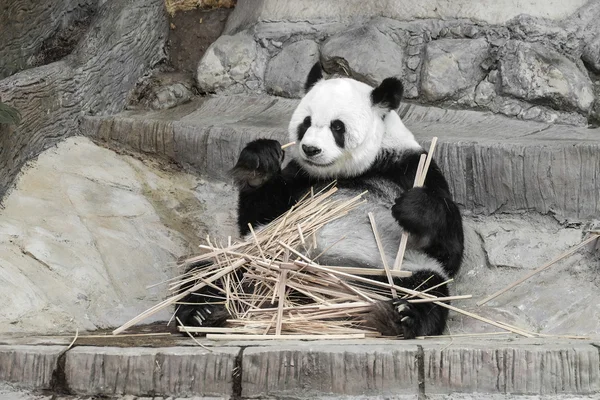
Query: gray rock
<point x="452" y="67"/>
<point x="308" y="372"/>
<point x="369" y="54"/>
<point x="229" y="62"/>
<point x="163" y="91"/>
<point x="85" y="231"/>
<point x="123" y="42"/>
<point x="591" y="52"/>
<point x="170" y="371"/>
<point x="506" y="368"/>
<point x="287" y="71"/>
<point x="485" y="93"/>
<point x="33" y="27"/>
<point x="532" y="72"/>
<point x="28" y="367"/>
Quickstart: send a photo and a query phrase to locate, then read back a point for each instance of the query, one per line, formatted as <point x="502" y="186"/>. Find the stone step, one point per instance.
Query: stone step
<point x="303" y="370"/>
<point x="493" y="163"/>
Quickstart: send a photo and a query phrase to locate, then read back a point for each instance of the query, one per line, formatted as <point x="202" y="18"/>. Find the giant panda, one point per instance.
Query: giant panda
<point x="349" y="131"/>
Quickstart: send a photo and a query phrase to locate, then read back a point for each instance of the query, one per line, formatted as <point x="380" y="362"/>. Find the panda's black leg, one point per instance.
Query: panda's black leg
<point x="202" y="307"/>
<point x="398" y="317"/>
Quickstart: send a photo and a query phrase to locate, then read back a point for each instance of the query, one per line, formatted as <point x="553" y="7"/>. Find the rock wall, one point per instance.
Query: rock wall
<point x="122" y="42"/>
<point x="34" y="32"/>
<point x="530" y="67"/>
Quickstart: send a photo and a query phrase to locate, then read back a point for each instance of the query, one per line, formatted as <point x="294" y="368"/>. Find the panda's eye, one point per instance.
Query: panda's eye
<point x="338" y="126"/>
<point x="307" y="121"/>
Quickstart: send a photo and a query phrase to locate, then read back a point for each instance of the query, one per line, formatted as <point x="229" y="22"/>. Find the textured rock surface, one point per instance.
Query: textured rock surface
<point x="249" y="12"/>
<point x="163" y="91"/>
<point x="352" y="369"/>
<point x="591" y="52"/>
<point x="29" y="26"/>
<point x="86" y="231"/>
<point x="442" y="59"/>
<point x="451" y="68"/>
<point x="307" y="371"/>
<point x="511" y="369"/>
<point x="142" y="371"/>
<point x="28" y="366"/>
<point x="368" y="54"/>
<point x="125" y="39"/>
<point x="492" y="163"/>
<point x="537" y="74"/>
<point x="233" y="64"/>
<point x="287" y="71"/>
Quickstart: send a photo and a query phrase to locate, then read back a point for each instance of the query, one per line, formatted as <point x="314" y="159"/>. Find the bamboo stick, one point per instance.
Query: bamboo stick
<point x="285" y="337"/>
<point x="382" y="254"/>
<point x="285" y="146"/>
<point x="282" y="283"/>
<point x="171" y="300"/>
<point x="538" y="270"/>
<point x="448" y="298"/>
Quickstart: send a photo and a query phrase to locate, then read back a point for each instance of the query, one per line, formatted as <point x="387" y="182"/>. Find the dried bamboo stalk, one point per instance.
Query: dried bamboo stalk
<point x="540" y="269"/>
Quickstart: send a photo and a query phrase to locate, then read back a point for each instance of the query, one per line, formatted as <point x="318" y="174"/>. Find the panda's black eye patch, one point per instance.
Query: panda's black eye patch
<point x="338" y="126"/>
<point x="303" y="127"/>
<point x="338" y="129"/>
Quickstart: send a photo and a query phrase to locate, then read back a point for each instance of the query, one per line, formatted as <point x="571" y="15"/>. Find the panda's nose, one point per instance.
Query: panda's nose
<point x="310" y="150"/>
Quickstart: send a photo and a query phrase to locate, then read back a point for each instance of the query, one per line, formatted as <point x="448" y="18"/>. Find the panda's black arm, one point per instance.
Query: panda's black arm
<point x="263" y="204"/>
<point x="429" y="212"/>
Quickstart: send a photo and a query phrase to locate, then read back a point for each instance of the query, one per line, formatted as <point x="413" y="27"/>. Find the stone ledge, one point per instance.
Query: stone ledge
<point x="505" y="368"/>
<point x="316" y="370"/>
<point x="372" y="368"/>
<point x="493" y="163"/>
<point x="173" y="371"/>
<point x="27" y="366"/>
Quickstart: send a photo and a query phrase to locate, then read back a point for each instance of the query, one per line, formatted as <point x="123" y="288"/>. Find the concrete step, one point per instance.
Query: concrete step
<point x="372" y="368"/>
<point x="493" y="163"/>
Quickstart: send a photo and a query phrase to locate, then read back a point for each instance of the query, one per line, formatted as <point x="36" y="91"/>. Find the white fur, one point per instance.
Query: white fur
<point x="368" y="128"/>
<point x="397" y="136"/>
<point x="349" y="101"/>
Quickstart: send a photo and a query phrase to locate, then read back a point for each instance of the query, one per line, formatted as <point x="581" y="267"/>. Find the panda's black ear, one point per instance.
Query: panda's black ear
<point x="314" y="76"/>
<point x="388" y="94"/>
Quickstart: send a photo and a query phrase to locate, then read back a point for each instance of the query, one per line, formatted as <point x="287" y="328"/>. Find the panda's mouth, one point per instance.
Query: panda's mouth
<point x="321" y="165"/>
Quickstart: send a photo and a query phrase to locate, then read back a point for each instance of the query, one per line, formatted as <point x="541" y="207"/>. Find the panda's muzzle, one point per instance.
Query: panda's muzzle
<point x="310" y="151"/>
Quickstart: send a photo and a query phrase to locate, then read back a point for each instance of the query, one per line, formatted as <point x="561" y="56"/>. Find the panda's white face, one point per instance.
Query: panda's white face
<point x="338" y="132"/>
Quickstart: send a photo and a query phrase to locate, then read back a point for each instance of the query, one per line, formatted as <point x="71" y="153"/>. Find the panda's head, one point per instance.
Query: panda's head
<point x="340" y="123"/>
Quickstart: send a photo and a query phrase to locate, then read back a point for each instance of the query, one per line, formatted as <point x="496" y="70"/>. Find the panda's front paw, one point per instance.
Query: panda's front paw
<point x="259" y="161"/>
<point x="395" y="318"/>
<point x="419" y="212"/>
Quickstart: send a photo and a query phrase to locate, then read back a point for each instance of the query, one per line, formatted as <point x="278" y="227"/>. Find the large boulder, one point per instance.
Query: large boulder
<point x="534" y="73"/>
<point x="233" y="64"/>
<point x="369" y="54"/>
<point x="287" y="71"/>
<point x="86" y="231"/>
<point x="452" y="66"/>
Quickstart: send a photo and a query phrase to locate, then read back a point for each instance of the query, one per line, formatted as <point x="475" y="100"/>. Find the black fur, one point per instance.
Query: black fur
<point x="314" y="76"/>
<point x="411" y="319"/>
<point x="428" y="213"/>
<point x="338" y="129"/>
<point x="303" y="127"/>
<point x="388" y="94"/>
<point x="266" y="191"/>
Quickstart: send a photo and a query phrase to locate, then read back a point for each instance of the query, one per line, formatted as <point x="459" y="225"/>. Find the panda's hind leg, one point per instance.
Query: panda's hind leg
<point x="201" y="308"/>
<point x="398" y="317"/>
